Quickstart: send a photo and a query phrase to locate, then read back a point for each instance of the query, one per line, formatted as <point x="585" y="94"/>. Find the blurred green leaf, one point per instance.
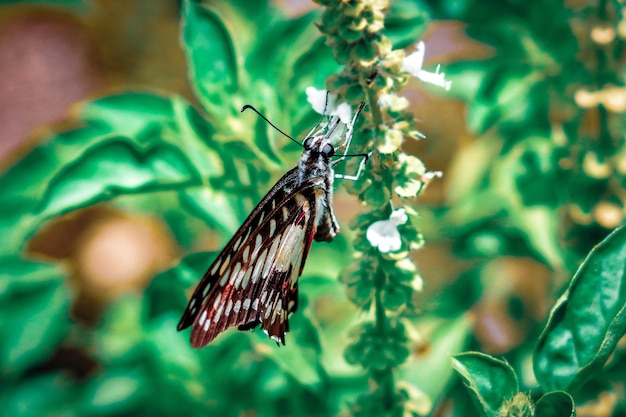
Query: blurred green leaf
<point x="34" y="313"/>
<point x="211" y="56"/>
<point x="588" y="319"/>
<point x="555" y="404"/>
<point x="431" y="372"/>
<point x="264" y="140"/>
<point x="113" y="391"/>
<point x="311" y="68"/>
<point x="167" y="292"/>
<point x="102" y="172"/>
<point x="300" y="357"/>
<point x="177" y="360"/>
<point x="113" y="169"/>
<point x="290" y="39"/>
<point x="466" y="78"/>
<point x="527" y="181"/>
<point x="332" y="312"/>
<point x="121" y="330"/>
<point x="405" y="23"/>
<point x="148" y="120"/>
<point x="136" y="115"/>
<point x="216" y="208"/>
<point x="47" y="394"/>
<point x="490" y="381"/>
<point x="135" y="143"/>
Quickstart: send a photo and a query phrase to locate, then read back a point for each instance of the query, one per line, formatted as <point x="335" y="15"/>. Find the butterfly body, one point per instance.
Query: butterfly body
<point x="254" y="280"/>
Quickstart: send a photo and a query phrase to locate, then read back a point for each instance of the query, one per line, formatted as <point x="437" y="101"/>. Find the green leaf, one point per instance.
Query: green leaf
<point x="300" y="357"/>
<point x="588" y="319"/>
<point x="330" y="307"/>
<point x="194" y="136"/>
<point x="176" y="357"/>
<point x="532" y="207"/>
<point x="218" y="209"/>
<point x="504" y="100"/>
<point x="148" y="119"/>
<point x="431" y="371"/>
<point x="99" y="174"/>
<point x="555" y="404"/>
<point x="290" y="39"/>
<point x="135" y="143"/>
<point x="211" y="56"/>
<point x="312" y="68"/>
<point x="136" y="115"/>
<point x="405" y="23"/>
<point x="34" y="313"/>
<point x="265" y="141"/>
<point x="42" y="394"/>
<point x="114" y="391"/>
<point x="466" y="78"/>
<point x="27" y="180"/>
<point x="112" y="169"/>
<point x="167" y="291"/>
<point x="491" y="382"/>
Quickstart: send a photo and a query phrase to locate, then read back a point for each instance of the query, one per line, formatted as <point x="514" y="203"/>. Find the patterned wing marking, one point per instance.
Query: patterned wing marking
<point x="287" y="269"/>
<point x="219" y="270"/>
<point x="328" y="227"/>
<point x="261" y="288"/>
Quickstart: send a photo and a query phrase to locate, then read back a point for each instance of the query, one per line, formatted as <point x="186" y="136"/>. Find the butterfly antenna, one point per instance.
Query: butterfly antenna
<point x="362" y="155"/>
<point x="248" y="106"/>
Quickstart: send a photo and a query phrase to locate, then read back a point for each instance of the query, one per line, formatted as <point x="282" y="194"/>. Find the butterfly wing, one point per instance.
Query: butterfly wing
<point x="254" y="279"/>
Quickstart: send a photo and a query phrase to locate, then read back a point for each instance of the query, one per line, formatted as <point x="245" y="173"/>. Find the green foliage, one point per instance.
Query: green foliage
<point x="383" y="280"/>
<point x="555" y="404"/>
<point x="536" y="184"/>
<point x="546" y="157"/>
<point x="198" y="168"/>
<point x="129" y="145"/>
<point x="492" y="382"/>
<point x="494" y="388"/>
<point x="541" y="175"/>
<point x="33" y="308"/>
<point x="587" y="321"/>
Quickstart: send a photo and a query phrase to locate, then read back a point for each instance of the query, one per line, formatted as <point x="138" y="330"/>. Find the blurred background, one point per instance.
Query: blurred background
<point x="529" y="138"/>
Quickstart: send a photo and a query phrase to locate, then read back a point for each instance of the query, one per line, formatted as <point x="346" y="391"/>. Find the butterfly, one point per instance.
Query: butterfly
<point x="254" y="280"/>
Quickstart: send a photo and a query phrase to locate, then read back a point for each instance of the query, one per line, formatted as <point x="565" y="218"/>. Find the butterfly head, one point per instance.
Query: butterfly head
<point x="315" y="161"/>
<point x="319" y="146"/>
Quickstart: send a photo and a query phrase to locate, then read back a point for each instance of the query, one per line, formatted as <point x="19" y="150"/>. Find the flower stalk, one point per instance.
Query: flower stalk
<point x="383" y="278"/>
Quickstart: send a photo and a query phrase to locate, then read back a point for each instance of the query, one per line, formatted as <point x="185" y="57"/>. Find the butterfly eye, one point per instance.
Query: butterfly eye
<point x="307" y="143"/>
<point x="328" y="150"/>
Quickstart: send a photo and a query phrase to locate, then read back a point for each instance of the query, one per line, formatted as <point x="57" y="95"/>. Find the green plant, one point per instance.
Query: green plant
<point x="144" y="152"/>
<point x="366" y="340"/>
<point x="545" y="183"/>
<point x="583" y="330"/>
<point x="383" y="278"/>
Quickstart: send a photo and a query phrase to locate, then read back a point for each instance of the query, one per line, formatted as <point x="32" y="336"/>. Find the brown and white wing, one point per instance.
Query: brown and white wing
<point x="254" y="279"/>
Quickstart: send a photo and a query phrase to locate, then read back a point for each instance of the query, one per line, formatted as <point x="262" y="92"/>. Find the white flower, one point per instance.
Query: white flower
<point x="436" y="78"/>
<point x="393" y="102"/>
<point x="398" y="217"/>
<point x="431" y="175"/>
<point x="413" y="65"/>
<point x="386" y="100"/>
<point x="384" y="234"/>
<point x="325" y="103"/>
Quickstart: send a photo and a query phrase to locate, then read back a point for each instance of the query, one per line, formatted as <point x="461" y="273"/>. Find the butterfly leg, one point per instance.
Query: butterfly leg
<point x="358" y="172"/>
